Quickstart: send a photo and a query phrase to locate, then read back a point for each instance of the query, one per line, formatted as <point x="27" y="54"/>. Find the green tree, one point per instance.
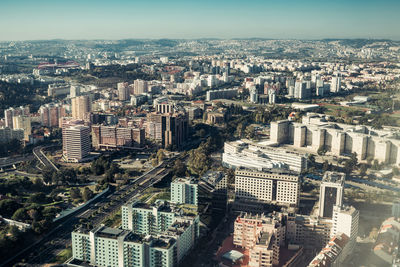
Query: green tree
<point x="38" y="198"/>
<point x="20" y="215"/>
<point x="179" y="169"/>
<point x="8" y="207"/>
<point x="87" y="194"/>
<point x="47" y="174"/>
<point x="75" y="193"/>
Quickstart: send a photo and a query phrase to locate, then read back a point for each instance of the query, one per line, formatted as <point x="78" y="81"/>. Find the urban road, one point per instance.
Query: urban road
<point x="60" y="237"/>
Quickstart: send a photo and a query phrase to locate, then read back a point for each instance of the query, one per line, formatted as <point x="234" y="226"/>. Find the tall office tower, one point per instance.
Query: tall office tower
<point x="76" y="142"/>
<point x="81" y="106"/>
<point x="184" y="191"/>
<point x="253" y="95"/>
<point x="255" y="188"/>
<point x="140" y="87"/>
<point x="331" y="193"/>
<point x="345" y="220"/>
<point x="335" y="84"/>
<point x="50" y="114"/>
<point x="75" y="91"/>
<point x="23" y="122"/>
<point x="123" y="91"/>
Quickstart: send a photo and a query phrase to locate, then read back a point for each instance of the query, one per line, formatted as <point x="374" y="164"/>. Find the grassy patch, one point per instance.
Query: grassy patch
<point x="64" y="255"/>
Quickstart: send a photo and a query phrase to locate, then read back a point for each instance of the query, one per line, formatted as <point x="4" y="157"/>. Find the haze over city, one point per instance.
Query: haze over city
<point x="199" y="133"/>
<point x="122" y="19"/>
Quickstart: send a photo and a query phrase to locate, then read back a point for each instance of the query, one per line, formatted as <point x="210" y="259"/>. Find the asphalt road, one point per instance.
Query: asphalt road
<point x="60" y="237"/>
<point x="38" y="153"/>
<point x="9" y="161"/>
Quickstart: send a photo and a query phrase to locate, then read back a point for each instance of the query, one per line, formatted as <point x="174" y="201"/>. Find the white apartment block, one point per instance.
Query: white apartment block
<point x="112" y="247"/>
<point x="282" y="188"/>
<point x="184" y="191"/>
<point x="345" y="220"/>
<point x="257" y="155"/>
<point x="338" y="139"/>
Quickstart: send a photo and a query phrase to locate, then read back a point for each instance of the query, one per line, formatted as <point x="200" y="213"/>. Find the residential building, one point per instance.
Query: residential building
<point x="104" y="246"/>
<point x="221" y="94"/>
<point x="338" y="139"/>
<point x="140" y="87"/>
<point x="115" y="137"/>
<point x="265" y="238"/>
<point x="184" y="191"/>
<point x="58" y="89"/>
<point x="253" y="189"/>
<point x="386" y="246"/>
<point x="81" y="106"/>
<point x="11" y="112"/>
<point x="154" y="219"/>
<point x="333" y="254"/>
<point x="23" y="122"/>
<point x="335" y="84"/>
<point x="50" y="114"/>
<point x="345" y="220"/>
<point x="123" y="91"/>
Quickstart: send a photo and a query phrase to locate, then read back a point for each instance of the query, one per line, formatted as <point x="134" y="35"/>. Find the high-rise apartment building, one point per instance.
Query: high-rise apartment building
<point x="301" y="91"/>
<point x="140" y="87"/>
<point x="104" y="246"/>
<point x="335" y="84"/>
<point x="345" y="220"/>
<point x="23" y="122"/>
<point x="11" y="112"/>
<point x="50" y="114"/>
<point x="81" y="106"/>
<point x="184" y="191"/>
<point x="331" y="193"/>
<point x="123" y="91"/>
<point x="76" y="142"/>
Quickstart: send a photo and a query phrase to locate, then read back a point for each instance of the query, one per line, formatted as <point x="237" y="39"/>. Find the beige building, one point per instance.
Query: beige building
<point x="315" y="132"/>
<point x="269" y="186"/>
<point x="23" y="122"/>
<point x="123" y="91"/>
<point x="81" y="106"/>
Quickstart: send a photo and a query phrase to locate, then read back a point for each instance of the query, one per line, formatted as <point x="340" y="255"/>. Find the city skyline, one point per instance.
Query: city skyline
<point x="190" y="20"/>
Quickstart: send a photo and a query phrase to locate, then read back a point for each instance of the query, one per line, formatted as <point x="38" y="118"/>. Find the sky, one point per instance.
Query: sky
<point x="187" y="19"/>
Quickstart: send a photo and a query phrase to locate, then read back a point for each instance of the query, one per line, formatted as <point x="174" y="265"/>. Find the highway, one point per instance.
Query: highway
<point x="60" y="237"/>
<point x="9" y="161"/>
<point x="38" y="153"/>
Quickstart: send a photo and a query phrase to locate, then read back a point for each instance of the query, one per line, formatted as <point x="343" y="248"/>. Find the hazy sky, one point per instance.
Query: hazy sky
<point x="118" y="19"/>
